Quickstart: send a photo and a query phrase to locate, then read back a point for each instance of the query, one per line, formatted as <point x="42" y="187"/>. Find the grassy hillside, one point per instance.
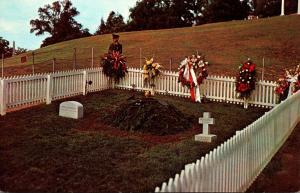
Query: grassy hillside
<point x="225" y="45"/>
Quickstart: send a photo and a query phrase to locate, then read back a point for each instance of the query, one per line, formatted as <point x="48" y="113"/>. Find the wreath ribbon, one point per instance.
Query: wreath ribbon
<point x="189" y="74"/>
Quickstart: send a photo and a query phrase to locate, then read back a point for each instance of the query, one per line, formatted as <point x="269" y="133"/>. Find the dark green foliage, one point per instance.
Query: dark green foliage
<point x="114" y="23"/>
<point x="148" y="115"/>
<point x="58" y="21"/>
<point x="102" y="28"/>
<point x="158" y="14"/>
<point x="8" y="51"/>
<point x="4" y="48"/>
<point x="226" y="10"/>
<point x="268" y="8"/>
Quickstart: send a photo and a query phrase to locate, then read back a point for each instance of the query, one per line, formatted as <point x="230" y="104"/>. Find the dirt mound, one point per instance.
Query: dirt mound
<point x="149" y="115"/>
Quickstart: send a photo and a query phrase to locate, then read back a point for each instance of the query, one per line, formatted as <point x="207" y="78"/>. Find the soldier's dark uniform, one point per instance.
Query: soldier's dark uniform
<point x="117" y="47"/>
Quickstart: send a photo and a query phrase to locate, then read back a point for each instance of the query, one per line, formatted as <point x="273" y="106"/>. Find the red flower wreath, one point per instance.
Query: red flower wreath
<point x="246" y="79"/>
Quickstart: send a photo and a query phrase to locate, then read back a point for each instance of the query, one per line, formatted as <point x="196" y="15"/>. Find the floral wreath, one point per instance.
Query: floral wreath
<point x="192" y="73"/>
<point x="114" y="65"/>
<point x="199" y="65"/>
<point x="246" y="79"/>
<point x="151" y="70"/>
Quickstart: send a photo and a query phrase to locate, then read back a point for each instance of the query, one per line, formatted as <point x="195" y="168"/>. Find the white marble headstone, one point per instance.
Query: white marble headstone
<point x="71" y="109"/>
<point x="206" y="136"/>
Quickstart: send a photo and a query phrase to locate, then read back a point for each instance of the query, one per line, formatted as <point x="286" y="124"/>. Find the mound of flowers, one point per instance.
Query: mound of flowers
<point x="246" y="79"/>
<point x="192" y="73"/>
<point x="148" y="115"/>
<point x="114" y="66"/>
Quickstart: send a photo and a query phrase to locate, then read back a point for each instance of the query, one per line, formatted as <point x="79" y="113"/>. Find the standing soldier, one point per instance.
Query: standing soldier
<point x="115" y="46"/>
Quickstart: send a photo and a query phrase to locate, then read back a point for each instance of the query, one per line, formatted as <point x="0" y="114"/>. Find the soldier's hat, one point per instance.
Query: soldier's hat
<point x="115" y="36"/>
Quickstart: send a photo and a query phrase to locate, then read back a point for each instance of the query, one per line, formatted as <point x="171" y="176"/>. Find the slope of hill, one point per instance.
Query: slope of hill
<point x="225" y="45"/>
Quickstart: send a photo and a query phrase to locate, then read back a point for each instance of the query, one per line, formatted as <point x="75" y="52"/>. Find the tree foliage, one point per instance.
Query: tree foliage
<point x="158" y="14"/>
<point x="58" y="21"/>
<point x="8" y="51"/>
<point x="226" y="10"/>
<point x="268" y="8"/>
<point x="4" y="48"/>
<point x="114" y="23"/>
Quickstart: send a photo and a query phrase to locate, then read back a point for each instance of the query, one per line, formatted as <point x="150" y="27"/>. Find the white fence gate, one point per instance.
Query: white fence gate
<point x="234" y="165"/>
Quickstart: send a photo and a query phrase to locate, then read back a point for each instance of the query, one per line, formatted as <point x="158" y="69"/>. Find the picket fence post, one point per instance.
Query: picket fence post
<point x="48" y="94"/>
<point x="84" y="82"/>
<point x="2" y="98"/>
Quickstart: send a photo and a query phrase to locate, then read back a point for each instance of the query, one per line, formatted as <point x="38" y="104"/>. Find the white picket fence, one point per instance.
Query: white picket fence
<point x="234" y="165"/>
<point x="43" y="88"/>
<point x="216" y="88"/>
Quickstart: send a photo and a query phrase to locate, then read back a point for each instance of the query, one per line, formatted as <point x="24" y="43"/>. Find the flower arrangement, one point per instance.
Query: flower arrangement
<point x="289" y="84"/>
<point x="246" y="79"/>
<point x="282" y="89"/>
<point x="151" y="70"/>
<point x="198" y="65"/>
<point x="114" y="65"/>
<point x="192" y="73"/>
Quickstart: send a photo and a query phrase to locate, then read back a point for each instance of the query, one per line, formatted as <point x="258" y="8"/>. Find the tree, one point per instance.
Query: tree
<point x="226" y="10"/>
<point x="58" y="21"/>
<point x="268" y="8"/>
<point x="159" y="14"/>
<point x="102" y="28"/>
<point x="271" y="8"/>
<point x="258" y="6"/>
<point x="114" y="23"/>
<point x="4" y="48"/>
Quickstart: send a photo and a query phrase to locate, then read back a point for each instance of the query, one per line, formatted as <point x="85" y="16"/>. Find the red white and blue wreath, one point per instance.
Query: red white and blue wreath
<point x="192" y="73"/>
<point x="114" y="65"/>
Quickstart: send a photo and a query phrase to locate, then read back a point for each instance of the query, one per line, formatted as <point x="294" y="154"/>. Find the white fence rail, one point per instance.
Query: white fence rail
<point x="216" y="88"/>
<point x="43" y="88"/>
<point x="27" y="90"/>
<point x="234" y="165"/>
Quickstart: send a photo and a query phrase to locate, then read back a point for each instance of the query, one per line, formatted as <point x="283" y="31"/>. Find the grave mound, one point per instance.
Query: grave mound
<point x="148" y="115"/>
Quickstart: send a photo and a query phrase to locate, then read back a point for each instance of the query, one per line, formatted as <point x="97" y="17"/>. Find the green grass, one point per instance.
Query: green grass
<point x="42" y="152"/>
<point x="224" y="44"/>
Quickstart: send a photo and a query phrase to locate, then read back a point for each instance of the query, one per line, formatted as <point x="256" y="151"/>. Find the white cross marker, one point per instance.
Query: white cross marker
<point x="206" y="121"/>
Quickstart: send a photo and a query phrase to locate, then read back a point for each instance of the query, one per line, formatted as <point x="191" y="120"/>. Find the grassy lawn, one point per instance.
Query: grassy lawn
<point x="42" y="152"/>
<point x="224" y="44"/>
